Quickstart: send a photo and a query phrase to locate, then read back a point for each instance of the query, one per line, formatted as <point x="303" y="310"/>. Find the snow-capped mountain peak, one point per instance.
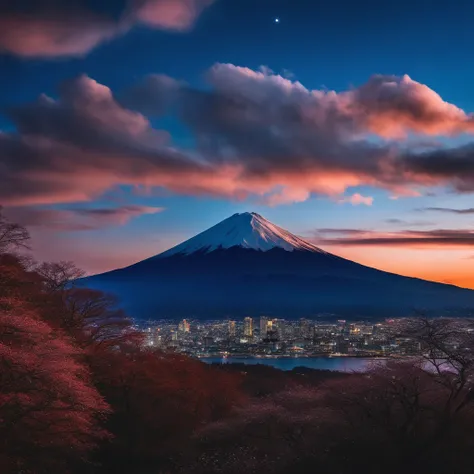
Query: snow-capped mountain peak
<point x="247" y="230"/>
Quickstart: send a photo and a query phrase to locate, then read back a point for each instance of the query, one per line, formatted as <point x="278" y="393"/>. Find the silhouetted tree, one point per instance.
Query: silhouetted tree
<point x="12" y="236"/>
<point x="89" y="316"/>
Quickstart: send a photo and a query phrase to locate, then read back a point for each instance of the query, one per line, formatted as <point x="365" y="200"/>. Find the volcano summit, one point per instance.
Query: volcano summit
<point x="245" y="265"/>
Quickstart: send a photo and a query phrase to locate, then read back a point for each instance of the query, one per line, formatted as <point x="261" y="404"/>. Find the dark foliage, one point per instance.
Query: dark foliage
<point x="262" y="380"/>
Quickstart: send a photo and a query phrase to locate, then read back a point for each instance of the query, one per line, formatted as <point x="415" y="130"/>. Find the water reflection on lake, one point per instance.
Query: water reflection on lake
<point x="338" y="364"/>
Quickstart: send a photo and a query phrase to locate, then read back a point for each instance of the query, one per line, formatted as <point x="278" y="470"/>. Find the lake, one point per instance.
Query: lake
<point x="338" y="364"/>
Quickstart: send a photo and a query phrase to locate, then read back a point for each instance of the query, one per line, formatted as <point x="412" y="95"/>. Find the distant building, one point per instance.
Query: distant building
<point x="289" y="331"/>
<point x="208" y="341"/>
<point x="231" y="328"/>
<point x="158" y="338"/>
<point x="305" y="328"/>
<point x="184" y="326"/>
<point x="279" y="327"/>
<point x="248" y="327"/>
<point x="263" y="326"/>
<point x="407" y="346"/>
<point x="272" y="336"/>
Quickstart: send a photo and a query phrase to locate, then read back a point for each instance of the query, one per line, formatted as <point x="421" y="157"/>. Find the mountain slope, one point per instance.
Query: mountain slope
<point x="246" y="265"/>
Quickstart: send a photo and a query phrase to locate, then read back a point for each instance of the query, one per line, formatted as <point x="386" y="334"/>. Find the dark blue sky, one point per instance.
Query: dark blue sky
<point x="330" y="43"/>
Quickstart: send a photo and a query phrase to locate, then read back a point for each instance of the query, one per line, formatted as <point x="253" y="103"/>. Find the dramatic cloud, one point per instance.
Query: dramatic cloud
<point x="406" y="238"/>
<point x="394" y="105"/>
<point x="78" y="218"/>
<point x="388" y="106"/>
<point x="318" y="139"/>
<point x="54" y="28"/>
<point x="77" y="147"/>
<point x="257" y="135"/>
<point x="452" y="165"/>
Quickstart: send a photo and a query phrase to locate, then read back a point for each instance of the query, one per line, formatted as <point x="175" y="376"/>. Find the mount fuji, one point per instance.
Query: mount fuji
<point x="245" y="265"/>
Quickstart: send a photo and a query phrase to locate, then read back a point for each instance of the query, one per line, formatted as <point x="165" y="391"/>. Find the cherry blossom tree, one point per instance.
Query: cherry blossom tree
<point x="50" y="413"/>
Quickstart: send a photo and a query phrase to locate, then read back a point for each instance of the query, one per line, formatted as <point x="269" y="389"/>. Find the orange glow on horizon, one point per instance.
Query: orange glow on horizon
<point x="444" y="265"/>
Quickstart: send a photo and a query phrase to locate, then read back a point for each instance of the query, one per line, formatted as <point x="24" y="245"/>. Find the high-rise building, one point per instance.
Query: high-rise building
<point x="184" y="326"/>
<point x="290" y="331"/>
<point x="305" y="328"/>
<point x="248" y="327"/>
<point x="279" y="327"/>
<point x="158" y="339"/>
<point x="231" y="328"/>
<point x="149" y="337"/>
<point x="208" y="341"/>
<point x="263" y="326"/>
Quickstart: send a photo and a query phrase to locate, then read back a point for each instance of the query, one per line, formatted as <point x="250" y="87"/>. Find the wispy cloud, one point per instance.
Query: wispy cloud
<point x="448" y="210"/>
<point x="405" y="238"/>
<point x="77" y="219"/>
<point x="406" y="223"/>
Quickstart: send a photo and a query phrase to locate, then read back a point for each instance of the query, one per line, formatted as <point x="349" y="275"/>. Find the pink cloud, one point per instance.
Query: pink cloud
<point x="357" y="199"/>
<point x="77" y="219"/>
<point x="34" y="36"/>
<point x="53" y="28"/>
<point x="177" y="15"/>
<point x="388" y="106"/>
<point x="394" y="106"/>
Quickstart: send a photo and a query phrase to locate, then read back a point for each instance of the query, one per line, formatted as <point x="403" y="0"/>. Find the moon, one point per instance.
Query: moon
<point x="277" y="20"/>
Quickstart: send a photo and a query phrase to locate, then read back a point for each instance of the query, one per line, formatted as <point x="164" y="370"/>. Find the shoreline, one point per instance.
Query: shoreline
<point x="337" y="364"/>
<point x="245" y="357"/>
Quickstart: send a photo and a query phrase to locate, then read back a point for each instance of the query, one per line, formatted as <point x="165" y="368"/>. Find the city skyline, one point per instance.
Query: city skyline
<point x="130" y="126"/>
<point x="266" y="337"/>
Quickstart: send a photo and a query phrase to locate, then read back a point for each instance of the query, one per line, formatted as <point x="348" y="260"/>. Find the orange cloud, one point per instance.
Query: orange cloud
<point x="393" y="106"/>
<point x="389" y="106"/>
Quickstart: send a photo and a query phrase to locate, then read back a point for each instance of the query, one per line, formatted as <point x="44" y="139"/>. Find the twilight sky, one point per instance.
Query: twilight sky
<point x="127" y="126"/>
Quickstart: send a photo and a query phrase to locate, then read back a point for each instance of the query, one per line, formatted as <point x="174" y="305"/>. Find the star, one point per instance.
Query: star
<point x="277" y="20"/>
